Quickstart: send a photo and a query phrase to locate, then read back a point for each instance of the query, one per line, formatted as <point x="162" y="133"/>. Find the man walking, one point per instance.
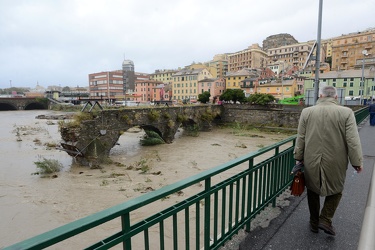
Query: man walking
<point x="371" y="110"/>
<point x="327" y="137"/>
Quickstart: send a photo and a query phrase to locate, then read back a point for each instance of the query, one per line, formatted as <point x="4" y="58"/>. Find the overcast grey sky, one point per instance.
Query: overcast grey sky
<point x="59" y="42"/>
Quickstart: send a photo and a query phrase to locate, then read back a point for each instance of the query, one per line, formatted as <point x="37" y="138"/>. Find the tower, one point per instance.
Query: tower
<point x="128" y="76"/>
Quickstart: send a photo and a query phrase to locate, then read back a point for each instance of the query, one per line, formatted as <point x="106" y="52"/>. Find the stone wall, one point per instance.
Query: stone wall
<point x="270" y="115"/>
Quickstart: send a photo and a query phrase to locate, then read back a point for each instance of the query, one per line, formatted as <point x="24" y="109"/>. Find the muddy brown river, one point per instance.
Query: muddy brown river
<point x="31" y="204"/>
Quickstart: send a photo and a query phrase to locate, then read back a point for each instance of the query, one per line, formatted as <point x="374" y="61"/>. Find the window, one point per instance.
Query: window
<point x="351" y="92"/>
<point x="344" y="84"/>
<point x="351" y="84"/>
<point x="334" y="84"/>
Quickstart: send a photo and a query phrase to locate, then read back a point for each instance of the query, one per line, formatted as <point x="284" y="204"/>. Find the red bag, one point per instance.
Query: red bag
<point x="298" y="184"/>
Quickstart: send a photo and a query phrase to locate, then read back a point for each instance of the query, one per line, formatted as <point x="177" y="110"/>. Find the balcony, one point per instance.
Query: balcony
<point x="244" y="86"/>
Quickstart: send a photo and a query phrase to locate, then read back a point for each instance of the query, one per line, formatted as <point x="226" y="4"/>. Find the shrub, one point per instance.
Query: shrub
<point x="260" y="99"/>
<point x="47" y="166"/>
<point x="153" y="115"/>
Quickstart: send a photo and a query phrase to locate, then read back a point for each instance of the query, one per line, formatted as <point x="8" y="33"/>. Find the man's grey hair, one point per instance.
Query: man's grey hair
<point x="328" y="91"/>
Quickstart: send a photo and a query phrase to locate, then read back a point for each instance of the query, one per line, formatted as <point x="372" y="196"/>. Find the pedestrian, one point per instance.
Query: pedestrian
<point x="371" y="110"/>
<point x="327" y="138"/>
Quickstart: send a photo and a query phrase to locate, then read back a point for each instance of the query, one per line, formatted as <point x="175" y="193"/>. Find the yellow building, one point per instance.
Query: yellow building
<point x="347" y="50"/>
<point x="164" y="76"/>
<point x="185" y="83"/>
<point x="233" y="80"/>
<point x="253" y="57"/>
<point x="220" y="64"/>
<point x="279" y="89"/>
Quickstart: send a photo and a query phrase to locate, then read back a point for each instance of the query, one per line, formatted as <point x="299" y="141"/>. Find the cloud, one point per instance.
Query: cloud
<point x="60" y="42"/>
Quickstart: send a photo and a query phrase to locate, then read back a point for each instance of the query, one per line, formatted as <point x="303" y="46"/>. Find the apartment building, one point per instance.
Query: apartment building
<point x="185" y="83"/>
<point x="350" y="80"/>
<point x="233" y="80"/>
<point x="109" y="85"/>
<point x="164" y="75"/>
<point x="354" y="50"/>
<point x="280" y="89"/>
<point x="220" y="65"/>
<point x="291" y="55"/>
<point x="149" y="90"/>
<point x="215" y="86"/>
<point x="253" y="58"/>
<point x="106" y="85"/>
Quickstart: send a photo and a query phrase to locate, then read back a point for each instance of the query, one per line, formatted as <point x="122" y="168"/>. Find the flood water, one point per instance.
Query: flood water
<point x="30" y="204"/>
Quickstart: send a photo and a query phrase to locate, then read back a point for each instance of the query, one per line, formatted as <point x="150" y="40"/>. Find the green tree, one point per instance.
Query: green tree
<point x="204" y="97"/>
<point x="235" y="95"/>
<point x="260" y="99"/>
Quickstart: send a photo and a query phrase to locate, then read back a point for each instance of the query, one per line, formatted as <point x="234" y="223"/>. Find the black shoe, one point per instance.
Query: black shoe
<point x="314" y="228"/>
<point x="328" y="229"/>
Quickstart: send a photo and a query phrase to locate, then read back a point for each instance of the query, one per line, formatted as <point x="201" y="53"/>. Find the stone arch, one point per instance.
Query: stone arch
<point x="34" y="105"/>
<point x="87" y="143"/>
<point x="7" y="106"/>
<point x="151" y="128"/>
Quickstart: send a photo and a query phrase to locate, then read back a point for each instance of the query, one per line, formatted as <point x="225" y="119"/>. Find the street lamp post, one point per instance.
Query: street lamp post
<point x="317" y="60"/>
<point x="364" y="52"/>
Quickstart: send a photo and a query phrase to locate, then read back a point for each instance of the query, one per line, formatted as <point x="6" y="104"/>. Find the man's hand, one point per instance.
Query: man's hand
<point x="358" y="168"/>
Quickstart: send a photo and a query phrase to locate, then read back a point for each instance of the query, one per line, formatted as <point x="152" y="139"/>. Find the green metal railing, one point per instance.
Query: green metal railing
<point x="361" y="114"/>
<point x="229" y="196"/>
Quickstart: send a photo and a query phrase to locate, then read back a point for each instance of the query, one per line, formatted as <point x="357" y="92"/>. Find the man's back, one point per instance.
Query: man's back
<point x="327" y="137"/>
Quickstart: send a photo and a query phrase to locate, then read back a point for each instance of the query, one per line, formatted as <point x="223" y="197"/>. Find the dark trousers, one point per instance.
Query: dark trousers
<point x="328" y="211"/>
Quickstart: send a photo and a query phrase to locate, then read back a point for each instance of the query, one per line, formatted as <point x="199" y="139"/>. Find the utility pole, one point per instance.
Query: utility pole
<point x="317" y="61"/>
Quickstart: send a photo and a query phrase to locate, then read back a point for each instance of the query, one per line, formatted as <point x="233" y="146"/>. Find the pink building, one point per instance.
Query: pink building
<point x="148" y="90"/>
<point x="216" y="87"/>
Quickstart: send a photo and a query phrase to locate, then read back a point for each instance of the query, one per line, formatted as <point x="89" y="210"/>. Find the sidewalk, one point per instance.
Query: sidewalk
<point x="291" y="229"/>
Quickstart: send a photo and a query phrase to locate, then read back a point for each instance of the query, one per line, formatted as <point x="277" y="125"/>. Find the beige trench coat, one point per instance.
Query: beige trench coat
<point x="327" y="138"/>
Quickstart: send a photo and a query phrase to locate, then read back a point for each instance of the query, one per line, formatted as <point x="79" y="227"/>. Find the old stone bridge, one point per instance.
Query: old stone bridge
<point x="23" y="103"/>
<point x="90" y="137"/>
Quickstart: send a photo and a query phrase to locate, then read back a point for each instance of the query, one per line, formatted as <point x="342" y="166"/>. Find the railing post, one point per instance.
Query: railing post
<point x="277" y="150"/>
<point x="249" y="196"/>
<point x="125" y="222"/>
<point x="207" y="212"/>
